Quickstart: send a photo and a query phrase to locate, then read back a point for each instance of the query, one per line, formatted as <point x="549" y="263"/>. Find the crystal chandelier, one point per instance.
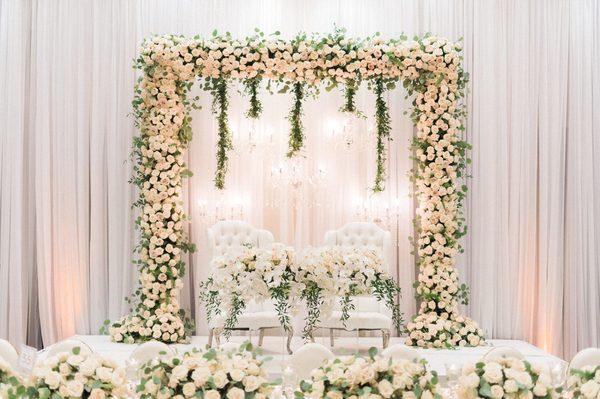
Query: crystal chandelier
<point x="351" y="132"/>
<point x="293" y="177"/>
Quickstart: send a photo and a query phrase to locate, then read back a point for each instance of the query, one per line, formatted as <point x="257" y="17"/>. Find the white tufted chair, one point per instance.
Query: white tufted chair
<point x="503" y="352"/>
<point x="228" y="236"/>
<point x="67" y="346"/>
<point x="369" y="313"/>
<point x="401" y="351"/>
<point x="307" y="358"/>
<point x="585" y="357"/>
<point x="9" y="354"/>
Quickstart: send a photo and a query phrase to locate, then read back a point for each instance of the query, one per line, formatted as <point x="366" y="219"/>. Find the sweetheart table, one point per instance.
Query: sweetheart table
<point x="274" y="347"/>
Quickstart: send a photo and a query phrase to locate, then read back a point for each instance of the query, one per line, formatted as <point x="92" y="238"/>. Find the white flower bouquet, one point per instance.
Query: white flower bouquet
<point x="584" y="383"/>
<point x="372" y="377"/>
<point x="75" y="375"/>
<point x="335" y="273"/>
<point x="252" y="274"/>
<point x="445" y="330"/>
<point x="211" y="374"/>
<point x="505" y="378"/>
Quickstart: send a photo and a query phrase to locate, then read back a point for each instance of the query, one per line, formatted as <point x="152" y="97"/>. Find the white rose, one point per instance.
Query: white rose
<point x="235" y="393"/>
<point x="590" y="389"/>
<point x="385" y="388"/>
<point x="75" y="388"/>
<point x="251" y="383"/>
<point x="104" y="374"/>
<point x="236" y="374"/>
<point x="189" y="389"/>
<point x="497" y="391"/>
<point x="212" y="394"/>
<point x="179" y="372"/>
<point x="97" y="393"/>
<point x="510" y="386"/>
<point x="53" y="379"/>
<point x="220" y="379"/>
<point x="492" y="372"/>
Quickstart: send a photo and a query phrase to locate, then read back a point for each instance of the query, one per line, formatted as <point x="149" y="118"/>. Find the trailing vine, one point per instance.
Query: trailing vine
<point x="296" y="139"/>
<point x="383" y="129"/>
<point x="220" y="107"/>
<point x="312" y="294"/>
<point x="251" y="89"/>
<point x="350" y="97"/>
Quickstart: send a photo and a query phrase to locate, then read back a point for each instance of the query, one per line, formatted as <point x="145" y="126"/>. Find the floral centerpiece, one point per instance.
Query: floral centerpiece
<point x="76" y="375"/>
<point x="372" y="377"/>
<point x="251" y="274"/>
<point x="584" y="382"/>
<point x="505" y="378"/>
<point x="329" y="274"/>
<point x="211" y="374"/>
<point x="431" y="329"/>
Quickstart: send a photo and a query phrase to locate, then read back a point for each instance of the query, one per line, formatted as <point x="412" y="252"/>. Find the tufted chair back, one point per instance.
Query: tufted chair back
<point x="230" y="236"/>
<point x="362" y="235"/>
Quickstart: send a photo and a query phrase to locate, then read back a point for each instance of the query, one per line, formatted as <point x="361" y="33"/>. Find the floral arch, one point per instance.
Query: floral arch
<point x="430" y="70"/>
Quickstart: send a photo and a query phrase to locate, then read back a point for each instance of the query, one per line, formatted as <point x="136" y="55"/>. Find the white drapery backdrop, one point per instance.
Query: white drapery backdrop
<point x="66" y="228"/>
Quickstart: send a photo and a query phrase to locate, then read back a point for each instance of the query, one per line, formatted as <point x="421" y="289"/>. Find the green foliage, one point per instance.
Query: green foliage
<point x="296" y="138"/>
<point x="383" y="131"/>
<point x="251" y="88"/>
<point x="220" y="108"/>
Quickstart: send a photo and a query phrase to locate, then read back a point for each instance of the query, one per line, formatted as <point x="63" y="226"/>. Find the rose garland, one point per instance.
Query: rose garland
<point x="254" y="274"/>
<point x="329" y="274"/>
<point x="504" y="378"/>
<point x="373" y="377"/>
<point x="210" y="374"/>
<point x="429" y="68"/>
<point x="584" y="383"/>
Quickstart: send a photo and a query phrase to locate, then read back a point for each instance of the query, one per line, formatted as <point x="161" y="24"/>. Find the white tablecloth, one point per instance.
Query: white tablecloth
<point x="275" y="347"/>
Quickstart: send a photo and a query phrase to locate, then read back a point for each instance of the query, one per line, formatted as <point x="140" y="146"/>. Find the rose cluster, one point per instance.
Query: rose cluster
<point x="584" y="383"/>
<point x="373" y="377"/>
<point x="505" y="378"/>
<point x="76" y="375"/>
<point x="212" y="374"/>
<point x="251" y="274"/>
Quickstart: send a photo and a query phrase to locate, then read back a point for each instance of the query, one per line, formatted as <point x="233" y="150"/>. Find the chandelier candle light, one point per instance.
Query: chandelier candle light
<point x="429" y="68"/>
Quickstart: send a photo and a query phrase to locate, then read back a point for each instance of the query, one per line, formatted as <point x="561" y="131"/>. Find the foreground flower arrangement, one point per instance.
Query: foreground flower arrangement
<point x="429" y="68"/>
<point x="10" y="382"/>
<point x="372" y="377"/>
<point x="331" y="274"/>
<point x="505" y="378"/>
<point x="211" y="374"/>
<point x="255" y="274"/>
<point x="75" y="375"/>
<point x="584" y="383"/>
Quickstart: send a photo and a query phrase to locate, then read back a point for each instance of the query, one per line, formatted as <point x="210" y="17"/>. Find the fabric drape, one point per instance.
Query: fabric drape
<point x="533" y="209"/>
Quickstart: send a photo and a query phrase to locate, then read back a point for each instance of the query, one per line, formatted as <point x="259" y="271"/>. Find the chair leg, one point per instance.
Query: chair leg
<point x="385" y="335"/>
<point x="210" y="337"/>
<point x="331" y="341"/>
<point x="217" y="333"/>
<point x="261" y="336"/>
<point x="289" y="340"/>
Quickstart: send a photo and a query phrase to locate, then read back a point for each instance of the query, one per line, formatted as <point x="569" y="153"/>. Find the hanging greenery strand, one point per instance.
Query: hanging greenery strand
<point x="350" y="97"/>
<point x="383" y="127"/>
<point x="296" y="140"/>
<point x="220" y="107"/>
<point x="251" y="88"/>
